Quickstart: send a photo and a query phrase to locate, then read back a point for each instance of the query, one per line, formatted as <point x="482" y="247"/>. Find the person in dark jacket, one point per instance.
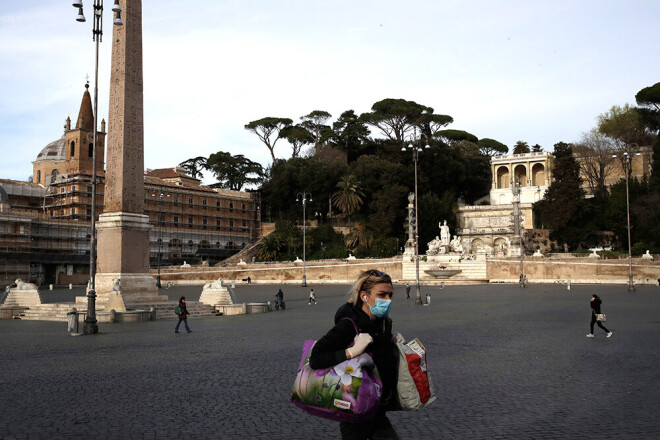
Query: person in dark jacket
<point x="183" y="316"/>
<point x="595" y="303"/>
<point x="368" y="307"/>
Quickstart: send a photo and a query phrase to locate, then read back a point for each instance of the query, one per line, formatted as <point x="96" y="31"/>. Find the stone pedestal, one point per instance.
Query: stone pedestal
<point x="22" y="298"/>
<point x="216" y="296"/>
<point x="115" y="302"/>
<point x="124" y="254"/>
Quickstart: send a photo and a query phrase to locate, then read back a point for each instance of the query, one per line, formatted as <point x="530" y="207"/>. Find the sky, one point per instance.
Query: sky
<point x="533" y="70"/>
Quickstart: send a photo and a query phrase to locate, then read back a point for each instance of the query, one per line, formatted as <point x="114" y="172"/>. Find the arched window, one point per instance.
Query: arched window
<point x="39" y="176"/>
<point x="73" y="148"/>
<point x="91" y="150"/>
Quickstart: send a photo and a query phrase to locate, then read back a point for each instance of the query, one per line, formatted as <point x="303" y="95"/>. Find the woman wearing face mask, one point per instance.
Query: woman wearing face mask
<point x="369" y="305"/>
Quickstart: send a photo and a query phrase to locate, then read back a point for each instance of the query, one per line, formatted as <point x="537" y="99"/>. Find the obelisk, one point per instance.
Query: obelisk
<point x="123" y="229"/>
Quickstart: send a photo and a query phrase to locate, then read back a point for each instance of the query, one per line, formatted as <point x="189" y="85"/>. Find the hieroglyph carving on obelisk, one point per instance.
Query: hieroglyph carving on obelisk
<point x="123" y="229"/>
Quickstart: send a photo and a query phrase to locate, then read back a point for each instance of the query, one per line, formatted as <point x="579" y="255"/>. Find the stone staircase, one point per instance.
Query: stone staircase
<point x="57" y="312"/>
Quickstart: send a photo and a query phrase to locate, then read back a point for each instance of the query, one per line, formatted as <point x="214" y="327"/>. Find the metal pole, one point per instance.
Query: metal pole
<point x="160" y="239"/>
<point x="418" y="295"/>
<point x="91" y="327"/>
<point x="631" y="285"/>
<point x="304" y="280"/>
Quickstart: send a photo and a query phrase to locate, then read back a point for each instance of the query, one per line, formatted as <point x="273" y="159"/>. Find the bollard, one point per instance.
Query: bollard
<point x="72" y="320"/>
<point x="270" y="306"/>
<point x="428" y="299"/>
<point x="442" y="285"/>
<point x="113" y="316"/>
<point x="233" y="284"/>
<point x="50" y="287"/>
<point x="70" y="286"/>
<point x="152" y="314"/>
<point x="568" y="285"/>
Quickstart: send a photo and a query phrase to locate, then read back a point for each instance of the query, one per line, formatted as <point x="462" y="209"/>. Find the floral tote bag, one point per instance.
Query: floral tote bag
<point x="348" y="392"/>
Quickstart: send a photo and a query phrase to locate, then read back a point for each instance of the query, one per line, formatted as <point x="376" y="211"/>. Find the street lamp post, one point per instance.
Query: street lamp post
<point x="517" y="228"/>
<point x="160" y="233"/>
<point x="303" y="196"/>
<point x="416" y="149"/>
<point x="627" y="163"/>
<point x="91" y="327"/>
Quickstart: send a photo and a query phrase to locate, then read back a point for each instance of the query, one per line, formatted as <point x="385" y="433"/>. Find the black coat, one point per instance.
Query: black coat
<point x="595" y="306"/>
<point x="330" y="350"/>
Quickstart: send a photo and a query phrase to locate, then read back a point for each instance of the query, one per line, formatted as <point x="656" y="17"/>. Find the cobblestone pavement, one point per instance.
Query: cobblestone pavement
<point x="507" y="363"/>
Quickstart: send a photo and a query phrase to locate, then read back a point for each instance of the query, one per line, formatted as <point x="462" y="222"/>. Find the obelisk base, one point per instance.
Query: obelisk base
<point x="124" y="254"/>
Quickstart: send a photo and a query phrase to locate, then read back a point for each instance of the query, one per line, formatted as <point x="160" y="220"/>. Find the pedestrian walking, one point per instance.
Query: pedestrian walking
<point x="368" y="307"/>
<point x="407" y="291"/>
<point x="595" y="303"/>
<point x="183" y="313"/>
<point x="249" y="280"/>
<point x="312" y="297"/>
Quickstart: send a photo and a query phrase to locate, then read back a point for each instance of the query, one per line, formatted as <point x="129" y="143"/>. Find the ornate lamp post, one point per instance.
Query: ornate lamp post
<point x="91" y="326"/>
<point x="517" y="227"/>
<point x="303" y="196"/>
<point x="627" y="166"/>
<point x="416" y="149"/>
<point x="161" y="224"/>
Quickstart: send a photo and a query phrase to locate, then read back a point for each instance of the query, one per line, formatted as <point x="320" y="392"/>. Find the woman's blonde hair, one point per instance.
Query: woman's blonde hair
<point x="365" y="282"/>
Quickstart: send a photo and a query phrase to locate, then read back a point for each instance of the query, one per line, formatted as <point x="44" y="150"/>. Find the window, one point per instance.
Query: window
<point x="217" y="225"/>
<point x="217" y="204"/>
<point x="243" y="207"/>
<point x="231" y="224"/>
<point x="176" y="221"/>
<point x="73" y="211"/>
<point x="176" y="200"/>
<point x="244" y="224"/>
<point x="62" y="190"/>
<point x="204" y="204"/>
<point x="190" y="222"/>
<point x="73" y="188"/>
<point x="91" y="150"/>
<point x="73" y="148"/>
<point x="231" y="206"/>
<point x="39" y="176"/>
<point x="204" y="224"/>
<point x="190" y="201"/>
<point x="89" y="189"/>
<point x="161" y="219"/>
<point x="89" y="212"/>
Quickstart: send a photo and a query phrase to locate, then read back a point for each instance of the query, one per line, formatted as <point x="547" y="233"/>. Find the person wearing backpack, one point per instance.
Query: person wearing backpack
<point x="368" y="309"/>
<point x="183" y="313"/>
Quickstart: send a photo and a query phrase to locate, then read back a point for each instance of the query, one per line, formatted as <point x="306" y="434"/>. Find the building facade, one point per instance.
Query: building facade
<point x="45" y="224"/>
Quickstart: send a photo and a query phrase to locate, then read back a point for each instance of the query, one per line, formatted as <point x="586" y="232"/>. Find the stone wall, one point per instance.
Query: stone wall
<point x="576" y="269"/>
<point x="325" y="271"/>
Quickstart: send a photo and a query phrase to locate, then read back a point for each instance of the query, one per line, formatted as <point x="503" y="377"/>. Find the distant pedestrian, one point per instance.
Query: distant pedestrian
<point x="249" y="280"/>
<point x="658" y="282"/>
<point x="312" y="297"/>
<point x="595" y="303"/>
<point x="183" y="313"/>
<point x="407" y="291"/>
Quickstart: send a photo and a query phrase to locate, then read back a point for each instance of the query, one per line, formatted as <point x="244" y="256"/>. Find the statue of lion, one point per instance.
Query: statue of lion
<point x="21" y="285"/>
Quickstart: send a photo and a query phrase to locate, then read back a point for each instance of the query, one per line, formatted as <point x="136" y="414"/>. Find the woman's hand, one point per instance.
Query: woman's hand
<point x="359" y="345"/>
<point x="398" y="339"/>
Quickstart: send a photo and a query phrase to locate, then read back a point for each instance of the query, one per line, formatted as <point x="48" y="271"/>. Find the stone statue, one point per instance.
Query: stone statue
<point x="116" y="286"/>
<point x="185" y="264"/>
<point x="456" y="245"/>
<point x="21" y="285"/>
<point x="434" y="246"/>
<point x="218" y="284"/>
<point x="445" y="235"/>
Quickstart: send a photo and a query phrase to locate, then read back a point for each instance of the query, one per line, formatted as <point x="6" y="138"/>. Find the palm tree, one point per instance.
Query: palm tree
<point x="348" y="197"/>
<point x="271" y="248"/>
<point x="361" y="235"/>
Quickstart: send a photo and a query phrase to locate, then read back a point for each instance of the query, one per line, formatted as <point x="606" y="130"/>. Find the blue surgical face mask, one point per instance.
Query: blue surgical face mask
<point x="381" y="307"/>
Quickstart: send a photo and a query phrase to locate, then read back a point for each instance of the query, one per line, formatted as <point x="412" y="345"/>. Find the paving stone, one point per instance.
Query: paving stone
<point x="506" y="363"/>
